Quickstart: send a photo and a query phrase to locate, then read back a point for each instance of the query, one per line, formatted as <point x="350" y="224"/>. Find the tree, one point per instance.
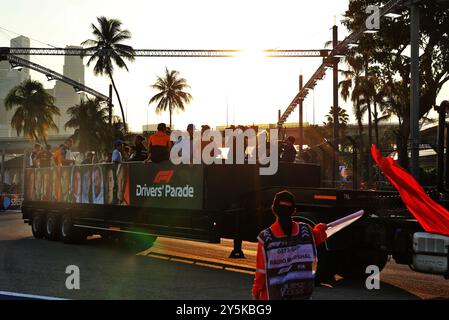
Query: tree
<point x="172" y="93"/>
<point x="90" y="121"/>
<point x="379" y="98"/>
<point x="351" y="88"/>
<point x="387" y="53"/>
<point x="109" y="51"/>
<point x="35" y="110"/>
<point x="343" y="120"/>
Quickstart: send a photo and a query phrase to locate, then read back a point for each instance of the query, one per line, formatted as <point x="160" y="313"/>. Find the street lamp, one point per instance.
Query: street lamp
<point x="15" y="66"/>
<point x="78" y="90"/>
<point x="371" y="31"/>
<point x="393" y="15"/>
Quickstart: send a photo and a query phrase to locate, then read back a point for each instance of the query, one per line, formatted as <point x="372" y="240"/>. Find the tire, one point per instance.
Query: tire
<point x="38" y="226"/>
<point x="68" y="233"/>
<point x="352" y="264"/>
<point x="52" y="227"/>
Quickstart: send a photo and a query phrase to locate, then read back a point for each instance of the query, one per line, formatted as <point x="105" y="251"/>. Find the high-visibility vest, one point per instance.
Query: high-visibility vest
<point x="158" y="144"/>
<point x="57" y="156"/>
<point x="289" y="264"/>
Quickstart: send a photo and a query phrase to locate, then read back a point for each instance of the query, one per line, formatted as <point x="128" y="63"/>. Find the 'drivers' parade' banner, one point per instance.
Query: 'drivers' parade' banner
<point x="136" y="184"/>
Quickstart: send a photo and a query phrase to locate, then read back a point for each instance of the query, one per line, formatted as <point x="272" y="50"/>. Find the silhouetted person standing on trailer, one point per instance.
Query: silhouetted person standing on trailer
<point x="289" y="151"/>
<point x="159" y="145"/>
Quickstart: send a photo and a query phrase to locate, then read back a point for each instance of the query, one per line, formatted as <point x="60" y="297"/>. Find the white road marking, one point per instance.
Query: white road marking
<point x="28" y="296"/>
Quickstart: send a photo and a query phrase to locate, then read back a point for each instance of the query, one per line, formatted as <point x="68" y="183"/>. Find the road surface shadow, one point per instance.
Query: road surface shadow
<point x="38" y="266"/>
<point x="348" y="289"/>
<point x="9" y="212"/>
<point x="34" y="266"/>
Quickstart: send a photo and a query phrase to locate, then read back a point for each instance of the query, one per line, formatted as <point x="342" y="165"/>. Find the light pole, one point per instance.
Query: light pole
<point x="301" y="119"/>
<point x="335" y="103"/>
<point x="110" y="105"/>
<point x="414" y="87"/>
<point x="2" y="180"/>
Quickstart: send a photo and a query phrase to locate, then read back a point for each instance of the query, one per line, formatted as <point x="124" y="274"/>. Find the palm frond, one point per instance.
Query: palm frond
<point x="157" y="97"/>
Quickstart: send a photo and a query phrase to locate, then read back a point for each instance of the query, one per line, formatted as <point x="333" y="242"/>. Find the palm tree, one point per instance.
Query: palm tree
<point x="343" y="120"/>
<point x="172" y="94"/>
<point x="396" y="103"/>
<point x="35" y="110"/>
<point x="109" y="50"/>
<point x="90" y="121"/>
<point x="351" y="88"/>
<point x="360" y="88"/>
<point x="380" y="111"/>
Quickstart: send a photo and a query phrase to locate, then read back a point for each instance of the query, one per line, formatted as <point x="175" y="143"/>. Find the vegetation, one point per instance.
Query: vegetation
<point x="90" y="121"/>
<point x="351" y="88"/>
<point x="109" y="51"/>
<point x="384" y="59"/>
<point x="172" y="94"/>
<point x="343" y="120"/>
<point x="34" y="111"/>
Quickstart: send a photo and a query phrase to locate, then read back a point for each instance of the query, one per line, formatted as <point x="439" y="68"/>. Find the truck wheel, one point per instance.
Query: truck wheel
<point x="68" y="232"/>
<point x="352" y="265"/>
<point x="52" y="227"/>
<point x="38" y="226"/>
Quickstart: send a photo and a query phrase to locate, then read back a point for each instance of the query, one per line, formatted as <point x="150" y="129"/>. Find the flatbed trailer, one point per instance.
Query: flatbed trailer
<point x="210" y="202"/>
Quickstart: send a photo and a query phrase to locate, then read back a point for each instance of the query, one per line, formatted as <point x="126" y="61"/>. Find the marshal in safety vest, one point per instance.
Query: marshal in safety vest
<point x="289" y="264"/>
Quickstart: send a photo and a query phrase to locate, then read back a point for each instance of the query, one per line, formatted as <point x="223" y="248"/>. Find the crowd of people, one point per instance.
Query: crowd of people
<point x="154" y="148"/>
<point x="45" y="157"/>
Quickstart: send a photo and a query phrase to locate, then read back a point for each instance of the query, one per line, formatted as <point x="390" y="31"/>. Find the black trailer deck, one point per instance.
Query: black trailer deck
<point x="210" y="202"/>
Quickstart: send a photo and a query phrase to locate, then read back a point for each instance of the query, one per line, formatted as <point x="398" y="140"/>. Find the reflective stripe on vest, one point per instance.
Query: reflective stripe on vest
<point x="289" y="264"/>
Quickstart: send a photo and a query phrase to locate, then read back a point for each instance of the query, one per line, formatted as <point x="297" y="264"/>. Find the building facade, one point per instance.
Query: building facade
<point x="9" y="78"/>
<point x="65" y="95"/>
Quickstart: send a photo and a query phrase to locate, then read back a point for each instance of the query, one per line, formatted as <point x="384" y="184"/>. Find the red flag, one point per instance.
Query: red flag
<point x="430" y="215"/>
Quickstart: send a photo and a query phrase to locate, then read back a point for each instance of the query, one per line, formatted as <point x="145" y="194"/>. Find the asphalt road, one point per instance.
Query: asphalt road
<point x="109" y="271"/>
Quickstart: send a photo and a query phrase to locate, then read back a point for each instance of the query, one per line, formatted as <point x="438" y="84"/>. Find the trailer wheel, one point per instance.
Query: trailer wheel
<point x="38" y="226"/>
<point x="352" y="264"/>
<point x="52" y="227"/>
<point x="68" y="232"/>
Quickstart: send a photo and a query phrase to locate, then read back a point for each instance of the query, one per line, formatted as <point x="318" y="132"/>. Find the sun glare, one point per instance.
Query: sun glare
<point x="251" y="54"/>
